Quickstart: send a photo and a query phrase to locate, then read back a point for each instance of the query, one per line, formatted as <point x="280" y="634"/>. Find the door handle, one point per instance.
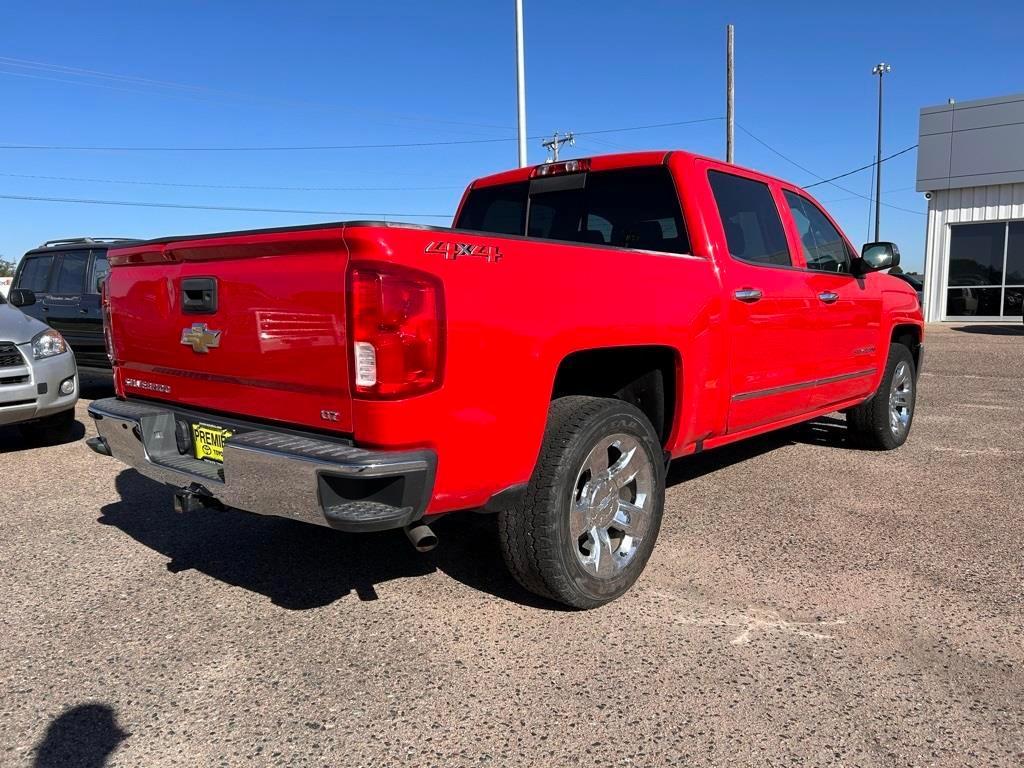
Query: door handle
<point x="748" y="295"/>
<point x="829" y="297"/>
<point x="84" y="311"/>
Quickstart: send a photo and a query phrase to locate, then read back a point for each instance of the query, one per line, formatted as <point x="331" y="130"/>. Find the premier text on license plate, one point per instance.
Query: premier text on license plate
<point x="209" y="442"/>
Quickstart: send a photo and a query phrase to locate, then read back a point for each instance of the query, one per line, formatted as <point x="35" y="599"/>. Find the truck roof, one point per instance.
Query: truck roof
<point x="612" y="162"/>
<point x="607" y="162"/>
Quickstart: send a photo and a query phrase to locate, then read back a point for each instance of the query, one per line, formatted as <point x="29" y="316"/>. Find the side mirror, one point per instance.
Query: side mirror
<point x="878" y="256"/>
<point x="21" y="297"/>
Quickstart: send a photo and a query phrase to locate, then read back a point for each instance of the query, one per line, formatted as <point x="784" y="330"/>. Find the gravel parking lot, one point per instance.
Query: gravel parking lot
<point x="807" y="604"/>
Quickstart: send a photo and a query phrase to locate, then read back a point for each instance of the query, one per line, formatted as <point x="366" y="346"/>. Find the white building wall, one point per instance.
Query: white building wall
<point x="996" y="202"/>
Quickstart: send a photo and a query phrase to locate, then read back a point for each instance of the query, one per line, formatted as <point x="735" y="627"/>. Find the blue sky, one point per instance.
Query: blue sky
<point x="314" y="73"/>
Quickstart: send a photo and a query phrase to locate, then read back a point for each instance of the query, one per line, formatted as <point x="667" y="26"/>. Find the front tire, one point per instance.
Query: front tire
<point x="883" y="422"/>
<point x="587" y="523"/>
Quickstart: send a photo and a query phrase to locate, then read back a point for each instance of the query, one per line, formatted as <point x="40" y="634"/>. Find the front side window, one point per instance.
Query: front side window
<point x="35" y="273"/>
<point x="824" y="249"/>
<point x="631" y="208"/>
<point x="753" y="229"/>
<point x="71" y="274"/>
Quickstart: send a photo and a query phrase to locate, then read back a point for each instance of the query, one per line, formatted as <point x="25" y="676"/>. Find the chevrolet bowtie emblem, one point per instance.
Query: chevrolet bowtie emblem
<point x="200" y="338"/>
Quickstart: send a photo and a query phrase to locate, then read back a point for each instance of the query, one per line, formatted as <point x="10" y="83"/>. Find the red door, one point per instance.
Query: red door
<point x="772" y="359"/>
<point x="847" y="309"/>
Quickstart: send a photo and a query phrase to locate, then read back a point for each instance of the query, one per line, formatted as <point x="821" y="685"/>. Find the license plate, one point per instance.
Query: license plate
<point x="209" y="442"/>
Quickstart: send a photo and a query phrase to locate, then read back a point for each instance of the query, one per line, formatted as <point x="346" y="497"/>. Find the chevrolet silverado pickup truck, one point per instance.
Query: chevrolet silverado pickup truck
<point x="581" y="324"/>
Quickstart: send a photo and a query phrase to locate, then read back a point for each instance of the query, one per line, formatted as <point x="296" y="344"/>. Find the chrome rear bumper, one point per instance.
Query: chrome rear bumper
<point x="270" y="472"/>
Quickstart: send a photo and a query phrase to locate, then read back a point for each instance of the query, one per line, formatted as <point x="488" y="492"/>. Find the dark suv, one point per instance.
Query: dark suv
<point x="58" y="283"/>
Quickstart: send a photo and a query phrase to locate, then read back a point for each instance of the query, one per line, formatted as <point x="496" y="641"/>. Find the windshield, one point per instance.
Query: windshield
<point x="633" y="208"/>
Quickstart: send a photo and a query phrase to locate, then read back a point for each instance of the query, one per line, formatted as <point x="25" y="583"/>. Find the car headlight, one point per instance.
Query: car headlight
<point x="47" y="344"/>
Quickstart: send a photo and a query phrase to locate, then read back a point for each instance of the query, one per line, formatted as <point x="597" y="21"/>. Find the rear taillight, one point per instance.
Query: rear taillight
<point x="396" y="329"/>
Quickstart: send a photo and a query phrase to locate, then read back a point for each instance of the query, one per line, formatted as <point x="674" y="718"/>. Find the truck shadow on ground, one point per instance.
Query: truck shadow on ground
<point x="825" y="431"/>
<point x="301" y="566"/>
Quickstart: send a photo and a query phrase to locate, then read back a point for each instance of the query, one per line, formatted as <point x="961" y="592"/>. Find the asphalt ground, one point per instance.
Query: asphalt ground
<point x="807" y="604"/>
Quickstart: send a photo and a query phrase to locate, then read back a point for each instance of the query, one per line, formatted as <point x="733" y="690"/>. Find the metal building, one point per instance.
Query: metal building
<point x="970" y="164"/>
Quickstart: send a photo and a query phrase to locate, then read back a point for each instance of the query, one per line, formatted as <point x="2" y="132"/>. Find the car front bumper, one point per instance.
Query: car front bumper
<point x="270" y="471"/>
<point x="32" y="391"/>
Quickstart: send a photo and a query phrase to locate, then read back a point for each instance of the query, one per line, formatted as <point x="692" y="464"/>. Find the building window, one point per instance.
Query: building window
<point x="986" y="270"/>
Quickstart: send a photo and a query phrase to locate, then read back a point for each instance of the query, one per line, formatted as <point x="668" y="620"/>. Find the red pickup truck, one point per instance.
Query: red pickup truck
<point x="582" y="323"/>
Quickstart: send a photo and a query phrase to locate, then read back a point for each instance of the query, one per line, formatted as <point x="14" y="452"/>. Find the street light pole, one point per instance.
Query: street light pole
<point x="881" y="69"/>
<point x="730" y="95"/>
<point x="520" y="84"/>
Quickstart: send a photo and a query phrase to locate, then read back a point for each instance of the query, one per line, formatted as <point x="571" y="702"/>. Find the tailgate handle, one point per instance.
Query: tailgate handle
<point x="199" y="295"/>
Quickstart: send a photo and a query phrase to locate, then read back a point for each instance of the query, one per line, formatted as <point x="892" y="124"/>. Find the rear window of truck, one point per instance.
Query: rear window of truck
<point x="633" y="208"/>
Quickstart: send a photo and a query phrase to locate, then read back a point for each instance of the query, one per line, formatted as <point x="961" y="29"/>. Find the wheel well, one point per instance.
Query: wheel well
<point x="643" y="376"/>
<point x="910" y="337"/>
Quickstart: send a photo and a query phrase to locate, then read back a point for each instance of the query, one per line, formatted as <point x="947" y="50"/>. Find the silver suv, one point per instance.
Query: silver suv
<point x="38" y="376"/>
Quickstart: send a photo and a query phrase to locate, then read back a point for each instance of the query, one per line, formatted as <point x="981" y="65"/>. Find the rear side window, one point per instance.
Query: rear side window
<point x="753" y="229"/>
<point x="632" y="208"/>
<point x="35" y="273"/>
<point x="500" y="209"/>
<point x="71" y="273"/>
<point x="823" y="247"/>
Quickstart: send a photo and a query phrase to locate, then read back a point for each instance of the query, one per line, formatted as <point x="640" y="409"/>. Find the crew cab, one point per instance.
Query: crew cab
<point x="581" y="324"/>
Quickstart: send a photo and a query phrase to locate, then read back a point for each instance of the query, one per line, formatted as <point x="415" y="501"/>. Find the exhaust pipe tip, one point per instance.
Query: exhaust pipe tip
<point x="422" y="538"/>
<point x="99" y="445"/>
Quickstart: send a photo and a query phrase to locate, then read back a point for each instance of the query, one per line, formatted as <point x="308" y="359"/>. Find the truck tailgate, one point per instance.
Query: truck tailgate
<point x="268" y="342"/>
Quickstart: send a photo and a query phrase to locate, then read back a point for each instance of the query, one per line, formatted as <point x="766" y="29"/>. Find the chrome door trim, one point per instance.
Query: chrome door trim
<point x="802" y="385"/>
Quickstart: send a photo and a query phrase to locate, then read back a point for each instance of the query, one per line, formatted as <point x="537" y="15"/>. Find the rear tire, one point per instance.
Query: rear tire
<point x="883" y="422"/>
<point x="52" y="429"/>
<point x="586" y="525"/>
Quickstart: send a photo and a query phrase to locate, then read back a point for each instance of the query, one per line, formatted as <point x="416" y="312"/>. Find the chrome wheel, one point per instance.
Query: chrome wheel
<point x="610" y="511"/>
<point x="901" y="400"/>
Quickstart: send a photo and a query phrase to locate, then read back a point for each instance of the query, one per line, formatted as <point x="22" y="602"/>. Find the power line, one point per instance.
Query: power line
<point x="325" y="147"/>
<point x="854" y="197"/>
<point x="862" y="168"/>
<point x="137" y="204"/>
<point x="202" y="92"/>
<point x="225" y="186"/>
<point x="831" y="181"/>
<point x="647" y="127"/>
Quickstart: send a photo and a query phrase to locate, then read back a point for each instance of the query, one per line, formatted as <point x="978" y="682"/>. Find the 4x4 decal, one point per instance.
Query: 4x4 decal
<point x="452" y="250"/>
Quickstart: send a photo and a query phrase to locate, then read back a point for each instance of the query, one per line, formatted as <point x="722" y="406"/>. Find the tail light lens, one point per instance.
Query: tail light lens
<point x="396" y="327"/>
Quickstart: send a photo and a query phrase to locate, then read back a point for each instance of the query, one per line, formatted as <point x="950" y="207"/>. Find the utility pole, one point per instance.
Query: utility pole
<point x="730" y="96"/>
<point x="881" y="69"/>
<point x="552" y="145"/>
<point x="520" y="83"/>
